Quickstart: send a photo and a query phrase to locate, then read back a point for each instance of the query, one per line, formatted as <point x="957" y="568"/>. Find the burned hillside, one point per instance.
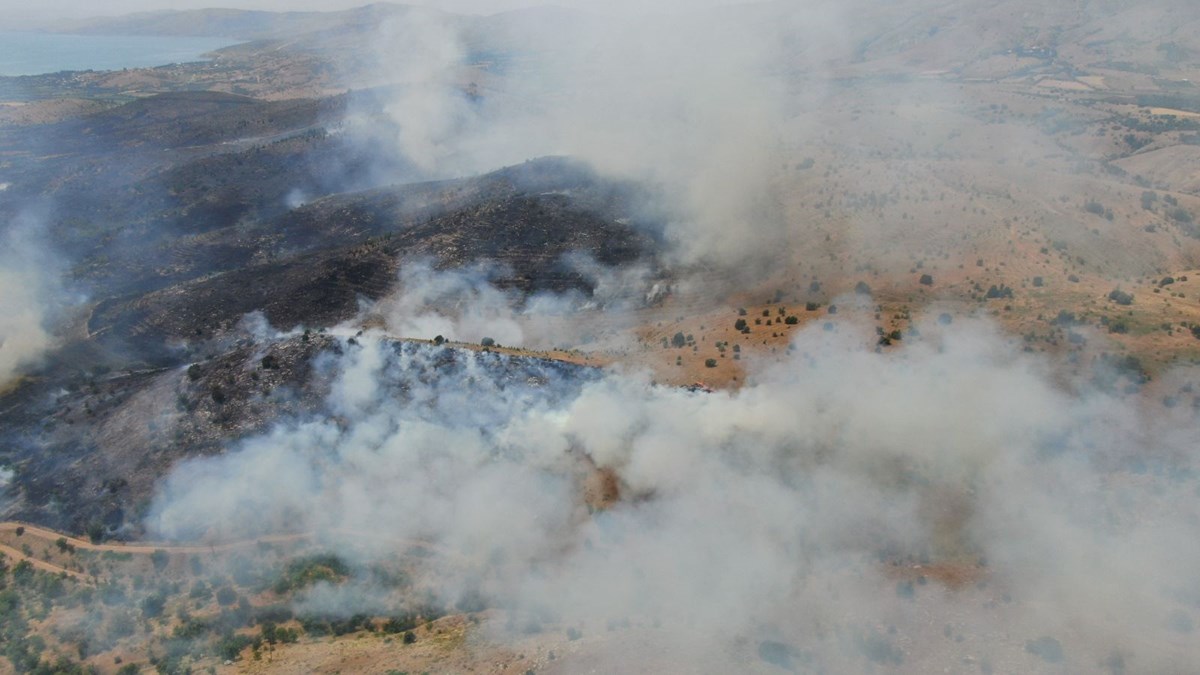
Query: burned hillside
<point x="184" y="213"/>
<point x="853" y="337"/>
<point x="88" y="458"/>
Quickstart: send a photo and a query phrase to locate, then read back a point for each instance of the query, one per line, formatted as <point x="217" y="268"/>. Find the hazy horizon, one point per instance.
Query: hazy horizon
<point x="14" y="14"/>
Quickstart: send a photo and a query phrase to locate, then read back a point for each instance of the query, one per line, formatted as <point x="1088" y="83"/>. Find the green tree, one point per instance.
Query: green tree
<point x="226" y="596"/>
<point x="152" y="605"/>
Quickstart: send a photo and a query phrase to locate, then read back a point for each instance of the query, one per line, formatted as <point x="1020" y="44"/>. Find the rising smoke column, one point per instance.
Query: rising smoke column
<point x="30" y="297"/>
<point x="689" y="102"/>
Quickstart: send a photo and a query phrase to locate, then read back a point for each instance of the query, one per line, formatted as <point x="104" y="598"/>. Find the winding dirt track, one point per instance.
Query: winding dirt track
<point x="41" y="564"/>
<point x="144" y="548"/>
<point x="150" y="547"/>
<point x="49" y="536"/>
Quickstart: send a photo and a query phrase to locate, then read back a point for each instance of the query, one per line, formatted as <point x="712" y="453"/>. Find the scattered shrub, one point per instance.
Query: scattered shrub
<point x="152" y="605"/>
<point x="1002" y="291"/>
<point x="226" y="596"/>
<point x="1120" y="297"/>
<point x="1046" y="648"/>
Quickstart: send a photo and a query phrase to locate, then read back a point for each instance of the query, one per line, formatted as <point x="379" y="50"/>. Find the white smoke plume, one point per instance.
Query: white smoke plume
<point x="460" y="306"/>
<point x="690" y="102"/>
<point x="30" y="297"/>
<point x="798" y="510"/>
<point x="464" y="305"/>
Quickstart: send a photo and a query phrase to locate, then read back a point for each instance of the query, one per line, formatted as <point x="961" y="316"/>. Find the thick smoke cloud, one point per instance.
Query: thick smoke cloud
<point x="464" y="305"/>
<point x="952" y="504"/>
<point x="30" y="298"/>
<point x="688" y="102"/>
<point x="793" y="510"/>
<point x="460" y="306"/>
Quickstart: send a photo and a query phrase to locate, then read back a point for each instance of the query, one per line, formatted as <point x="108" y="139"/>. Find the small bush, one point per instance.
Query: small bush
<point x="1002" y="291"/>
<point x="226" y="596"/>
<point x="1120" y="297"/>
<point x="1046" y="648"/>
<point x="303" y="572"/>
<point x="401" y="623"/>
<point x="152" y="605"/>
<point x="231" y="646"/>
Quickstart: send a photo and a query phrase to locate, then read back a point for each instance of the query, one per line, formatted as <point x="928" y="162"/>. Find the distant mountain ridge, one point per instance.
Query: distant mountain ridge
<point x="919" y="31"/>
<point x="237" y="23"/>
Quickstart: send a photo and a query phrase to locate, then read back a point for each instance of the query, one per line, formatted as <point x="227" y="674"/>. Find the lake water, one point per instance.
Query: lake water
<point x="37" y="53"/>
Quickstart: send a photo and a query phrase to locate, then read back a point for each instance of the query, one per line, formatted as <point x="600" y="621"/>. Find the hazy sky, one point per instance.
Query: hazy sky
<point x="17" y="12"/>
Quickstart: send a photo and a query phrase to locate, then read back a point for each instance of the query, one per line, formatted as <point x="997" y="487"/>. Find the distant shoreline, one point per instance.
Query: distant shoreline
<point x="27" y="53"/>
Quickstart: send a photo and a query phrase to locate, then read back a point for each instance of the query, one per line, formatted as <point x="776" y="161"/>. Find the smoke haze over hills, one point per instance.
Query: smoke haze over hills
<point x="801" y="336"/>
<point x="774" y="513"/>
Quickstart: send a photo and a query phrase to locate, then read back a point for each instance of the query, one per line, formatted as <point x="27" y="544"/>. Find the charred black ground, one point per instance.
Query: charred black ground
<point x="184" y="212"/>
